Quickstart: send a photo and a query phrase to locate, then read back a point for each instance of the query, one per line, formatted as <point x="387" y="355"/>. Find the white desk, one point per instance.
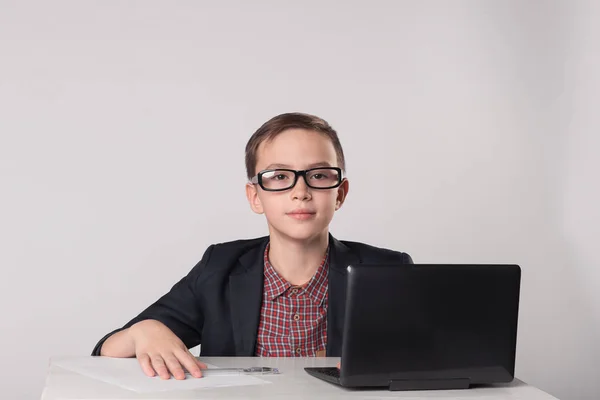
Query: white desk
<point x="293" y="383"/>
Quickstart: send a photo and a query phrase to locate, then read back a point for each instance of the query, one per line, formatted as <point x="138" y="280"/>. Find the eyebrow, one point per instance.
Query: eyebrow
<point x="314" y="165"/>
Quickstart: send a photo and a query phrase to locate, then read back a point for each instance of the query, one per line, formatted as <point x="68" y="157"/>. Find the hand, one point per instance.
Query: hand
<point x="339" y="365"/>
<point x="160" y="351"/>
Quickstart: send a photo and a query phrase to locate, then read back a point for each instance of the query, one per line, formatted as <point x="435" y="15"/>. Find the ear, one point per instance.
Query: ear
<point x="253" y="199"/>
<point x="342" y="193"/>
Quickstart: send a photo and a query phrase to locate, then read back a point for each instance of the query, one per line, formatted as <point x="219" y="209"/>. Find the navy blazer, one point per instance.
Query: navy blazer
<point x="218" y="303"/>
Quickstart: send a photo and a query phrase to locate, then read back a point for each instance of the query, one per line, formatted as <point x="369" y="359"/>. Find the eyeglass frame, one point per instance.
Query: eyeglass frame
<point x="257" y="179"/>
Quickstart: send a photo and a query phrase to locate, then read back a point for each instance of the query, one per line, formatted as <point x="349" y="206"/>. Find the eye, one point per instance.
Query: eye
<point x="279" y="177"/>
<point x="319" y="176"/>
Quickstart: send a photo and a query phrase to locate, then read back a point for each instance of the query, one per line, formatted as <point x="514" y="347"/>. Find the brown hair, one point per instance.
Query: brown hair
<point x="276" y="125"/>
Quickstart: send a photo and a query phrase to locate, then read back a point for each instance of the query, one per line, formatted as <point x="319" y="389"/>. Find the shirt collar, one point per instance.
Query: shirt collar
<point x="275" y="285"/>
<point x="316" y="288"/>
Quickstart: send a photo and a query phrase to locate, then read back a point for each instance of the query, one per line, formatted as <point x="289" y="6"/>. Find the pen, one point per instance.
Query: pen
<point x="239" y="371"/>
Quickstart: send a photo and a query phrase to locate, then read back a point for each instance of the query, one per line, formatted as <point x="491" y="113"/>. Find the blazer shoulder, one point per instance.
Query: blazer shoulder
<point x="222" y="258"/>
<point x="373" y="254"/>
<point x="240" y="245"/>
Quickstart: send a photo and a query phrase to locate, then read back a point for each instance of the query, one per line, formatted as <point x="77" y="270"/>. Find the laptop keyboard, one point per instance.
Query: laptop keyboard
<point x="330" y="374"/>
<point x="333" y="372"/>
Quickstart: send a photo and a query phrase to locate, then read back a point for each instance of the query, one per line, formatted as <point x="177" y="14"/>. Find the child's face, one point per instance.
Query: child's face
<point x="297" y="149"/>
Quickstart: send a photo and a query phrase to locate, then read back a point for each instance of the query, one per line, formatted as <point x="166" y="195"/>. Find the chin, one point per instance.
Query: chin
<point x="301" y="233"/>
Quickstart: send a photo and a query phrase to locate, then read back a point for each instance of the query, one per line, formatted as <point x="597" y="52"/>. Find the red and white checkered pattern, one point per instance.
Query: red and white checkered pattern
<point x="293" y="319"/>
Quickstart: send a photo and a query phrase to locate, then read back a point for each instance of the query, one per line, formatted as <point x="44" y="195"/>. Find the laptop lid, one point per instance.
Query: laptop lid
<point x="412" y="325"/>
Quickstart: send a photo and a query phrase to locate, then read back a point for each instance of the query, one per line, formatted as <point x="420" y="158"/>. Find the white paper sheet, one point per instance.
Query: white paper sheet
<point x="127" y="373"/>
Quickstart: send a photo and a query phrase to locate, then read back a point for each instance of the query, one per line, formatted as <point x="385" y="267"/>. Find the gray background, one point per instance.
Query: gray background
<point x="470" y="130"/>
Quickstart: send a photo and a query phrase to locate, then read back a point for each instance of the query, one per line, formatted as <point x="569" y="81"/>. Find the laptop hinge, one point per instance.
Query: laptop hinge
<point x="429" y="384"/>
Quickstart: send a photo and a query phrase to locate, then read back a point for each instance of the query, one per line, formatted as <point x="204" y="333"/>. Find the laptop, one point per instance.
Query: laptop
<point x="426" y="327"/>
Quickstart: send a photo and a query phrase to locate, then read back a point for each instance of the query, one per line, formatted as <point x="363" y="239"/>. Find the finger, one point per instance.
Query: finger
<point x="339" y="365"/>
<point x="144" y="360"/>
<point x="200" y="364"/>
<point x="189" y="362"/>
<point x="174" y="366"/>
<point x="159" y="366"/>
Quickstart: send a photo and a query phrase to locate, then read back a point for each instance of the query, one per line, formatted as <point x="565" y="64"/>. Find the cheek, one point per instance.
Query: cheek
<point x="326" y="201"/>
<point x="272" y="205"/>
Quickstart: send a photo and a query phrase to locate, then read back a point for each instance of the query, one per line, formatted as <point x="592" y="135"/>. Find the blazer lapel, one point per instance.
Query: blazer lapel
<point x="245" y="293"/>
<point x="340" y="257"/>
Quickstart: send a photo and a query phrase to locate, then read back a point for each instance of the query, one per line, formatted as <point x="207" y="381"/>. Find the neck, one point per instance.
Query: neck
<point x="296" y="261"/>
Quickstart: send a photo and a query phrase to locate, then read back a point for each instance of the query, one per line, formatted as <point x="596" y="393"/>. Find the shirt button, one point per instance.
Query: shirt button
<point x="294" y="291"/>
<point x="297" y="317"/>
<point x="298" y="350"/>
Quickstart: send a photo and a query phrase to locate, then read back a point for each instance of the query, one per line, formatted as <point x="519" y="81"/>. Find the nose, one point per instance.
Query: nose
<point x="301" y="191"/>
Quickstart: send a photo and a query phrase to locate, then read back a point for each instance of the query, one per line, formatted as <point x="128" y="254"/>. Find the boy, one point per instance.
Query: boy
<point x="281" y="295"/>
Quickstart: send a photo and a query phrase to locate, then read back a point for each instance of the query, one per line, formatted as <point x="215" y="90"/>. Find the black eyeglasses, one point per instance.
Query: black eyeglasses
<point x="277" y="180"/>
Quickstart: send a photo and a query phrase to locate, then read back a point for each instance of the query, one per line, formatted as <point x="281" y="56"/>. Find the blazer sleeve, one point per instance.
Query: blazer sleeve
<point x="180" y="309"/>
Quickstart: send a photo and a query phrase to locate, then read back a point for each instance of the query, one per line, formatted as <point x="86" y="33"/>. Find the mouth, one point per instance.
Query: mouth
<point x="301" y="214"/>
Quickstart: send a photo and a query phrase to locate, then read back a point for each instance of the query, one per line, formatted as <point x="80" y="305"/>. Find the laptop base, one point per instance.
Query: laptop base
<point x="332" y="375"/>
<point x="430" y="384"/>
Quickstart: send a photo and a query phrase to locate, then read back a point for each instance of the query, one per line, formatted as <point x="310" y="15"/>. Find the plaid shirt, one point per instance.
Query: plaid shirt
<point x="293" y="319"/>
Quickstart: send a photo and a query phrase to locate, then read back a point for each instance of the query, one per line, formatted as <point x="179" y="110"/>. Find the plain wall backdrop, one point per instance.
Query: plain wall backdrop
<point x="469" y="128"/>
